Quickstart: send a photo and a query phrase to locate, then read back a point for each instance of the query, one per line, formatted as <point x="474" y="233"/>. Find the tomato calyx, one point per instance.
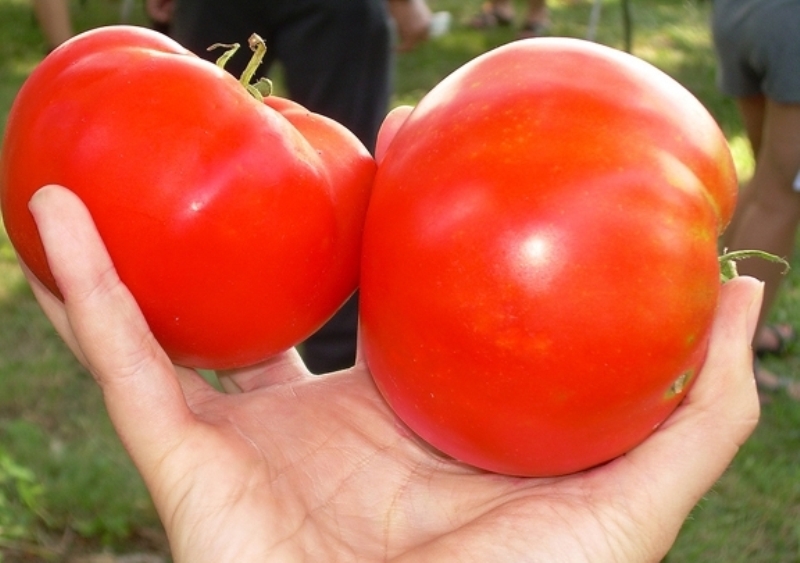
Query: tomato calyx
<point x="727" y="262"/>
<point x="679" y="385"/>
<point x="263" y="86"/>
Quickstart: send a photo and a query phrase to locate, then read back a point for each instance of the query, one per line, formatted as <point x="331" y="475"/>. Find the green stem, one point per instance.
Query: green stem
<point x="231" y="49"/>
<point x="262" y="87"/>
<point x="259" y="48"/>
<point x="727" y="262"/>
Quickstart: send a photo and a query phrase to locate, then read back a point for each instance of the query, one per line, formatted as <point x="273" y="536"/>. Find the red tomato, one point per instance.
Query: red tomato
<point x="539" y="271"/>
<point x="237" y="226"/>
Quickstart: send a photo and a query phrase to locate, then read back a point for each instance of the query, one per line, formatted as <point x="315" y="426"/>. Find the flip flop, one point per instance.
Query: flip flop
<point x="490" y="17"/>
<point x="785" y="337"/>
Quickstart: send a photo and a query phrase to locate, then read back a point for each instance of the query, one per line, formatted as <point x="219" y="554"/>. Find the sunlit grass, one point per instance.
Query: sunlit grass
<point x="742" y="155"/>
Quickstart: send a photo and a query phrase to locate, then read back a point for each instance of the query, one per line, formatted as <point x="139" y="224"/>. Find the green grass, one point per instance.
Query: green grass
<point x="67" y="486"/>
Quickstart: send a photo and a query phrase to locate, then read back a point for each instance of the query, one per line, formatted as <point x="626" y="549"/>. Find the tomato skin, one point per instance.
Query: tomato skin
<point x="539" y="271"/>
<point x="237" y="232"/>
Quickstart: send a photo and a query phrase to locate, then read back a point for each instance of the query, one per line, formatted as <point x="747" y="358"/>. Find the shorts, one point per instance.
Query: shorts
<point x="758" y="48"/>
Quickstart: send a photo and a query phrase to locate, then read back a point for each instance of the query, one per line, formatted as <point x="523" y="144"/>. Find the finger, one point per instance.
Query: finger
<point x="683" y="459"/>
<point x="360" y="359"/>
<point x="56" y="312"/>
<point x="389" y="128"/>
<point x="722" y="409"/>
<point x="100" y="317"/>
<point x="283" y="368"/>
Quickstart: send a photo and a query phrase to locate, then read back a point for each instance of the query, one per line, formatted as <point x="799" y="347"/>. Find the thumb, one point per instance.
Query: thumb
<point x="106" y="329"/>
<point x="391" y="125"/>
<point x="691" y="450"/>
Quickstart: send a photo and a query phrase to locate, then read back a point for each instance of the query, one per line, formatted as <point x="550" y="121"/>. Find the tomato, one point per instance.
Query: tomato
<point x="236" y="224"/>
<point x="539" y="270"/>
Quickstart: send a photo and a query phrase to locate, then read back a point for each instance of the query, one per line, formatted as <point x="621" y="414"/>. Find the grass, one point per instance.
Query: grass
<point x="66" y="485"/>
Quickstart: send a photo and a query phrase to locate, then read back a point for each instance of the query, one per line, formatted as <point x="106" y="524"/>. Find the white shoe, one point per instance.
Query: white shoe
<point x="440" y="24"/>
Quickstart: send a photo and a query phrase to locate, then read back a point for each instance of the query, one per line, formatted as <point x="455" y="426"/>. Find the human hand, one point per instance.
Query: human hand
<point x="288" y="466"/>
<point x="160" y="11"/>
<point x="413" y="21"/>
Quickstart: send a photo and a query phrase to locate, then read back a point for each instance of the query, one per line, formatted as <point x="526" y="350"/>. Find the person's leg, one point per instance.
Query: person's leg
<point x="769" y="338"/>
<point x="751" y="110"/>
<point x="337" y="62"/>
<point x="537" y="10"/>
<point x="537" y="21"/>
<point x="53" y="17"/>
<point x="770" y="212"/>
<point x="492" y="14"/>
<point x="333" y="347"/>
<point x="504" y="7"/>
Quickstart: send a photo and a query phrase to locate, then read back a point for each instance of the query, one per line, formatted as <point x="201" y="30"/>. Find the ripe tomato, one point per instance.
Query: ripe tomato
<point x="237" y="226"/>
<point x="539" y="270"/>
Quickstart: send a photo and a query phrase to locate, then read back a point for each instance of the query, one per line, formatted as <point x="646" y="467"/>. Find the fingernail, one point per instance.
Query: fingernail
<point x="37" y="200"/>
<point x="754" y="311"/>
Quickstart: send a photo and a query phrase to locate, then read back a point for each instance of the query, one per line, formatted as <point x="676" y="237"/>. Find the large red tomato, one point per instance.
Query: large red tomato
<point x="540" y="271"/>
<point x="236" y="225"/>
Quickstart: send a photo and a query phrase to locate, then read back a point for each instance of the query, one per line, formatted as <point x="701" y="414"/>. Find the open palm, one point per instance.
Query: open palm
<point x="287" y="466"/>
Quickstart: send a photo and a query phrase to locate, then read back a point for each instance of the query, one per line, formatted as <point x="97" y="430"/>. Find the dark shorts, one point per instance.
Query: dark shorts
<point x="758" y="47"/>
<point x="335" y="54"/>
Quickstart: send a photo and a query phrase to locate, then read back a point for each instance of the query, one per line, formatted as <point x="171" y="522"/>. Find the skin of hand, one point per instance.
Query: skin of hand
<point x="160" y="11"/>
<point x="287" y="466"/>
<point x="413" y="20"/>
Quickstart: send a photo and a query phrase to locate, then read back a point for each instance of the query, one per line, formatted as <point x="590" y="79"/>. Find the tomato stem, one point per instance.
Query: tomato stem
<point x="231" y="49"/>
<point x="727" y="262"/>
<point x="263" y="86"/>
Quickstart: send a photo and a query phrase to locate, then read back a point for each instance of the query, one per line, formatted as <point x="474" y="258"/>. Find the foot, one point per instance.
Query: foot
<point x="768" y="383"/>
<point x="492" y="16"/>
<point x="440" y="24"/>
<point x="774" y="339"/>
<point x="765" y="379"/>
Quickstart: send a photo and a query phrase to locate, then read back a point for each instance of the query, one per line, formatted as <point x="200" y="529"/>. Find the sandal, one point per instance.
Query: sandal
<point x="782" y="337"/>
<point x="533" y="29"/>
<point x="489" y="17"/>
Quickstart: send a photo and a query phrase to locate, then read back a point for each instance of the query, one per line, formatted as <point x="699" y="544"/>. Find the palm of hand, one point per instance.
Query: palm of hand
<point x="320" y="468"/>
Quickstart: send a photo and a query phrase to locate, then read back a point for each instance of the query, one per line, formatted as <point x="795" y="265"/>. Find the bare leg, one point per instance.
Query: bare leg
<point x="53" y="17"/>
<point x="770" y="209"/>
<point x="536" y="21"/>
<point x="504" y="8"/>
<point x="537" y="11"/>
<point x="493" y="13"/>
<point x="752" y="112"/>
